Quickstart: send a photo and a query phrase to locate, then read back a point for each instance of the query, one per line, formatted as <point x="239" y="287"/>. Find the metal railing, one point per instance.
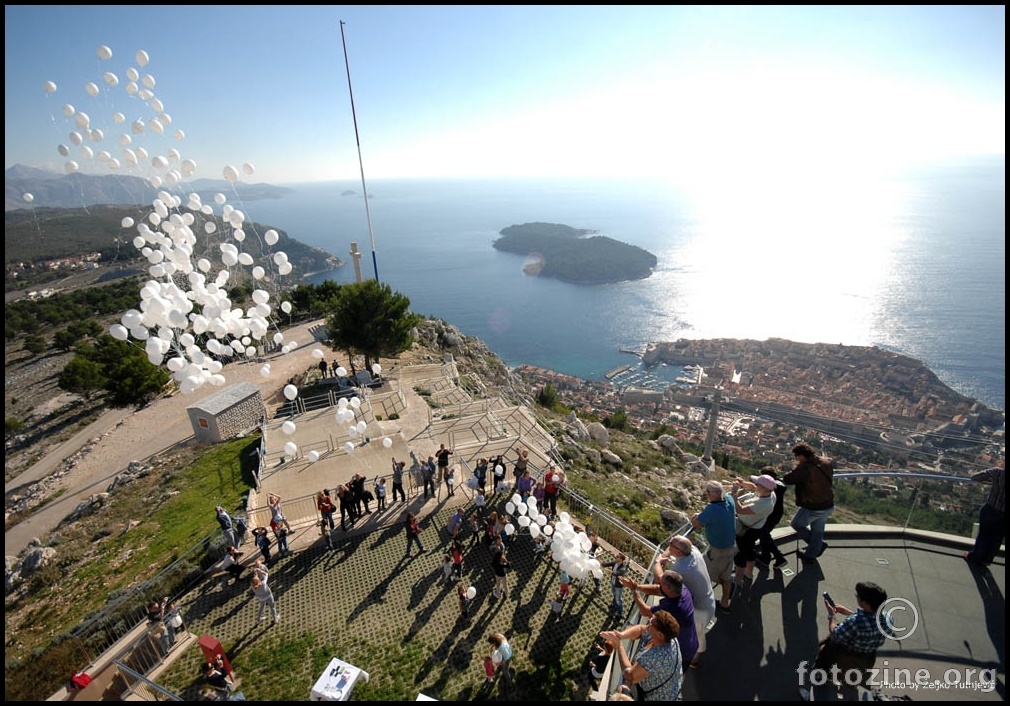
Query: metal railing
<point x="612" y="677"/>
<point x="140" y="688"/>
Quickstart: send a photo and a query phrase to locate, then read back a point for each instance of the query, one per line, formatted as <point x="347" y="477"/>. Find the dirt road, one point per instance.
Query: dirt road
<point x="124" y="435"/>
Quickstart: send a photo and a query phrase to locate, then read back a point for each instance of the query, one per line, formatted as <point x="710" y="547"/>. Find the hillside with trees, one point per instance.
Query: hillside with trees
<point x="45" y="245"/>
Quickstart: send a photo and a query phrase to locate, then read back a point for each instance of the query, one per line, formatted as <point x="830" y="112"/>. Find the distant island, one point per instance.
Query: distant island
<point x="562" y="252"/>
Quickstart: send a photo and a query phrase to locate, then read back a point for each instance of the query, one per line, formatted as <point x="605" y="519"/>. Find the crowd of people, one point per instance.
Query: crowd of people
<point x="678" y="599"/>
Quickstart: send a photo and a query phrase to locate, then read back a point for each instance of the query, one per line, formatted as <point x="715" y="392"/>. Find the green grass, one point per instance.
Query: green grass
<point x="135" y="535"/>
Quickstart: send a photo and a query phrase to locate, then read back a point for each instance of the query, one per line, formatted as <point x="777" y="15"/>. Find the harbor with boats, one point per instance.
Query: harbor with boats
<point x="658" y="378"/>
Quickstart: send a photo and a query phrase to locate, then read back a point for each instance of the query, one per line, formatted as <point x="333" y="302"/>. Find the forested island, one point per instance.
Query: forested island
<point x="562" y="252"/>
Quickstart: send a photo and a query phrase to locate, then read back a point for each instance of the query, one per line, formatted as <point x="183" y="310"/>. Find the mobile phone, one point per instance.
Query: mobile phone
<point x="827" y="597"/>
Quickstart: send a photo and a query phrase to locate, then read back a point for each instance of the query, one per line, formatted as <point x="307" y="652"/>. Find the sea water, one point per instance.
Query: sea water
<point x="910" y="262"/>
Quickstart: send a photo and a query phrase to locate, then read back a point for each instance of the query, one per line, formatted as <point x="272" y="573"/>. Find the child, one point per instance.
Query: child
<point x="380" y="493"/>
<point x="540" y="543"/>
<point x="566" y="585"/>
<point x="488" y="670"/>
<point x="457" y="561"/>
<point x="464" y="600"/>
<point x="558" y="605"/>
<point x="447" y="568"/>
<point x="492" y="527"/>
<point x="281" y="533"/>
<point x="503" y="520"/>
<point x="263" y="542"/>
<point x="480" y="502"/>
<point x="474" y="529"/>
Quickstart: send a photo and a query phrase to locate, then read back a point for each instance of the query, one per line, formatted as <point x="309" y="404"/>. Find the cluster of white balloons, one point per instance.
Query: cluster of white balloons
<point x="185" y="319"/>
<point x="141" y="121"/>
<point x="569" y="548"/>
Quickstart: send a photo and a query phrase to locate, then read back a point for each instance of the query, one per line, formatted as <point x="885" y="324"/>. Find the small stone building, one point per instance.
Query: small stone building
<point x="230" y="413"/>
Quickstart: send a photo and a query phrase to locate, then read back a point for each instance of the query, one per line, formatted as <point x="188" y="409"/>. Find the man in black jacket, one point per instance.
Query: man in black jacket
<point x="813" y="478"/>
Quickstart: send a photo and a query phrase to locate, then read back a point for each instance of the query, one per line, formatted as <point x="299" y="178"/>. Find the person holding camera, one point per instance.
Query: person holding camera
<point x="851" y="644"/>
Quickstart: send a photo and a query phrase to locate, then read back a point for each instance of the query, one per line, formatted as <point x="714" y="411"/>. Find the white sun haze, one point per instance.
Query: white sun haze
<point x="744" y="124"/>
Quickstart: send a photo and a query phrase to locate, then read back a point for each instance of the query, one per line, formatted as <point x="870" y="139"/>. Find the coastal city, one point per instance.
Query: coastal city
<point x="872" y="408"/>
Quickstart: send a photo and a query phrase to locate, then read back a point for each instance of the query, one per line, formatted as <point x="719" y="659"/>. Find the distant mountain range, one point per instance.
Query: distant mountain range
<point x="78" y="190"/>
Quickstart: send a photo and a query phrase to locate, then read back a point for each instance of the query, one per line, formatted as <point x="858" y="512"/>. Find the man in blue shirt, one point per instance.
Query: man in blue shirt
<point x="719" y="520"/>
<point x="456" y="524"/>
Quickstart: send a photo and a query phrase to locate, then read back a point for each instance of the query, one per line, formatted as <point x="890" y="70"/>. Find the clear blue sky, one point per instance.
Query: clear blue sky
<point x="510" y="90"/>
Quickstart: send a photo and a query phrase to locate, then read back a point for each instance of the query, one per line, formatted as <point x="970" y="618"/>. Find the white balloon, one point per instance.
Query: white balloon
<point x="265" y="371"/>
<point x="271" y="237"/>
<point x="68" y="110"/>
<point x="49" y="87"/>
<point x="288" y="427"/>
<point x="104" y="53"/>
<point x="355" y="403"/>
<point x="28" y="197"/>
<point x="63" y="150"/>
<point x="248" y="168"/>
<point x="286" y="307"/>
<point x="510" y="528"/>
<point x="516" y="499"/>
<point x="471" y="593"/>
<point x="341" y="371"/>
<point x="548" y="530"/>
<point x="142" y="57"/>
<point x="541" y="520"/>
<point x="524" y="521"/>
<point x="377" y="369"/>
<point x="119" y="332"/>
<point x="534" y="530"/>
<point x="91" y="88"/>
<point x="313" y="456"/>
<point x="70" y="167"/>
<point x="179" y="135"/>
<point x="348" y="447"/>
<point x="387" y="443"/>
<point x="290" y="391"/>
<point x="291" y="448"/>
<point x="110" y="79"/>
<point x="230" y="174"/>
<point x="510" y="507"/>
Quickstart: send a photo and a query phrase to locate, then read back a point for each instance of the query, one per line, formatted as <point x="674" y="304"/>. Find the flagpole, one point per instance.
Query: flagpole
<point x="361" y="164"/>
